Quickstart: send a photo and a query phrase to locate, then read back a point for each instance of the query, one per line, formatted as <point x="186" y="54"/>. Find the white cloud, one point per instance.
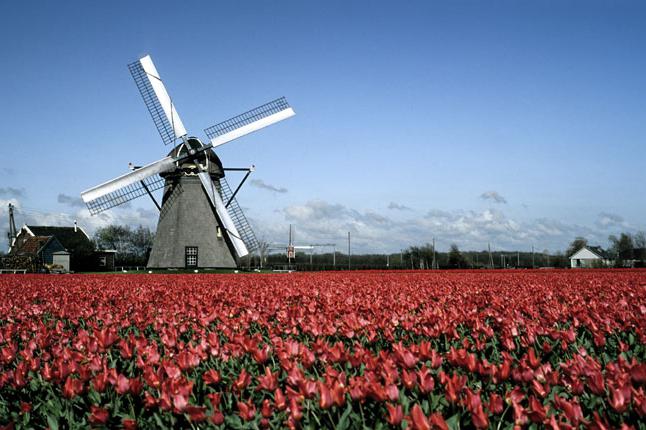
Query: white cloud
<point x="70" y="201"/>
<point x="12" y="192"/>
<point x="493" y="196"/>
<point x="606" y="220"/>
<point x="321" y="221"/>
<point x="398" y="207"/>
<point x="259" y="183"/>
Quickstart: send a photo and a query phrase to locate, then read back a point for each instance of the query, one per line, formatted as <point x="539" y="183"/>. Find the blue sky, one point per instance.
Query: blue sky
<point x="515" y="123"/>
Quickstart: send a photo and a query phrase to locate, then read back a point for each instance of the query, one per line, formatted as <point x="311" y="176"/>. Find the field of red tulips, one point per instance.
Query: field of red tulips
<point x="420" y="350"/>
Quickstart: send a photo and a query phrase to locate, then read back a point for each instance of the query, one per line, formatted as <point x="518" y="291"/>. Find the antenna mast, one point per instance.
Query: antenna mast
<point x="12" y="227"/>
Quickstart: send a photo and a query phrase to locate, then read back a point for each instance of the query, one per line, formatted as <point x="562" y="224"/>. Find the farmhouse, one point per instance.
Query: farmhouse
<point x="590" y="256"/>
<point x="40" y="248"/>
<point x="69" y="247"/>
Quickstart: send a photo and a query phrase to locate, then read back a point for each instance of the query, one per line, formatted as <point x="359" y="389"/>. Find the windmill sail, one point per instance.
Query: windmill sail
<point x="248" y="122"/>
<point x="223" y="214"/>
<point x="157" y="100"/>
<point x="127" y="187"/>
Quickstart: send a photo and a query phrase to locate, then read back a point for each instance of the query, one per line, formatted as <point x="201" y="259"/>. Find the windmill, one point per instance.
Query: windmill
<point x="200" y="222"/>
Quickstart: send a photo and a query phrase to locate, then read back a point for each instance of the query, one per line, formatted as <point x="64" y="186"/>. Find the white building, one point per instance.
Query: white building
<point x="590" y="256"/>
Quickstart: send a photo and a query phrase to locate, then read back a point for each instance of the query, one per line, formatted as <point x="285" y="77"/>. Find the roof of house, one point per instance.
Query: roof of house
<point x="32" y="245"/>
<point x="599" y="251"/>
<point x="69" y="237"/>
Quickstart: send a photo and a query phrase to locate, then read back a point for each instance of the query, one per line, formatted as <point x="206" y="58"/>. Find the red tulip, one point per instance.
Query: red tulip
<point x="409" y="379"/>
<point x="537" y="412"/>
<point x="279" y="399"/>
<point x="242" y="381"/>
<point x="129" y="424"/>
<point x="395" y="414"/>
<point x="247" y="411"/>
<point x="266" y="409"/>
<point x="217" y="418"/>
<point x="338" y="393"/>
<point x="392" y="392"/>
<point x="72" y="387"/>
<point x="98" y="415"/>
<point x="295" y="410"/>
<point x="437" y="422"/>
<point x="123" y="384"/>
<point x="196" y="414"/>
<point x="211" y="376"/>
<point x="419" y="420"/>
<point x="325" y="398"/>
<point x="426" y="382"/>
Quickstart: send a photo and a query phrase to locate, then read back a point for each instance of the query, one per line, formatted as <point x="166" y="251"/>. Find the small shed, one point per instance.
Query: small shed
<point x="62" y="259"/>
<point x="104" y="260"/>
<point x="589" y="257"/>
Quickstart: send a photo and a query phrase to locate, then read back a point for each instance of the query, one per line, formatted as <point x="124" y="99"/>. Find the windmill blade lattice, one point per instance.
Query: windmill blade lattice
<point x="248" y="122"/>
<point x="125" y="194"/>
<point x="159" y="104"/>
<point x="239" y="219"/>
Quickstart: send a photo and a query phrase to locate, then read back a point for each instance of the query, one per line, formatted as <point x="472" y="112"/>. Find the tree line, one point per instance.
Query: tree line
<point x="133" y="248"/>
<point x="132" y="244"/>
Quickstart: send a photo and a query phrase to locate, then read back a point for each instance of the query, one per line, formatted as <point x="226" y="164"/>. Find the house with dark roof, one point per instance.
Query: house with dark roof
<point x="39" y="248"/>
<point x="41" y="242"/>
<point x="72" y="238"/>
<point x="591" y="256"/>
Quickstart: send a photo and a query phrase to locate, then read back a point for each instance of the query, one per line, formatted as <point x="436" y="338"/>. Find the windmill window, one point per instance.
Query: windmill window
<point x="103" y="261"/>
<point x="191" y="256"/>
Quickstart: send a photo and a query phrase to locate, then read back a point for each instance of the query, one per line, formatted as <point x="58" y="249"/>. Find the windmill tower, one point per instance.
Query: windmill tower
<point x="200" y="222"/>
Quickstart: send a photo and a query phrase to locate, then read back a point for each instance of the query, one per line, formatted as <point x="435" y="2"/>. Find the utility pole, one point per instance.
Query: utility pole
<point x="334" y="256"/>
<point x="517" y="258"/>
<point x="289" y="249"/>
<point x="490" y="256"/>
<point x="349" y="252"/>
<point x="434" y="262"/>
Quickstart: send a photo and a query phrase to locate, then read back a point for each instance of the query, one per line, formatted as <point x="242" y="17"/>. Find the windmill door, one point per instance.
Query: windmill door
<point x="191" y="257"/>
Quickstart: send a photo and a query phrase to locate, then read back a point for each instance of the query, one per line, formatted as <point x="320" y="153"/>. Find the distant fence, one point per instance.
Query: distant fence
<point x="129" y="268"/>
<point x="322" y="267"/>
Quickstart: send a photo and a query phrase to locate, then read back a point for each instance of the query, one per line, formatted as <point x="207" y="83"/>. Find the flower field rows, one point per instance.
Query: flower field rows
<point x="421" y="350"/>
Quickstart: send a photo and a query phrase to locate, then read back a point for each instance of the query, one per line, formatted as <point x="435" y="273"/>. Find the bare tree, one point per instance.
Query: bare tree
<point x="576" y="244"/>
<point x="263" y="250"/>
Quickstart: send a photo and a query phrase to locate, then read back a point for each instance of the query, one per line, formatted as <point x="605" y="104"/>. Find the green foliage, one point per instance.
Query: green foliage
<point x="575" y="245"/>
<point x="456" y="259"/>
<point x="131" y="244"/>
